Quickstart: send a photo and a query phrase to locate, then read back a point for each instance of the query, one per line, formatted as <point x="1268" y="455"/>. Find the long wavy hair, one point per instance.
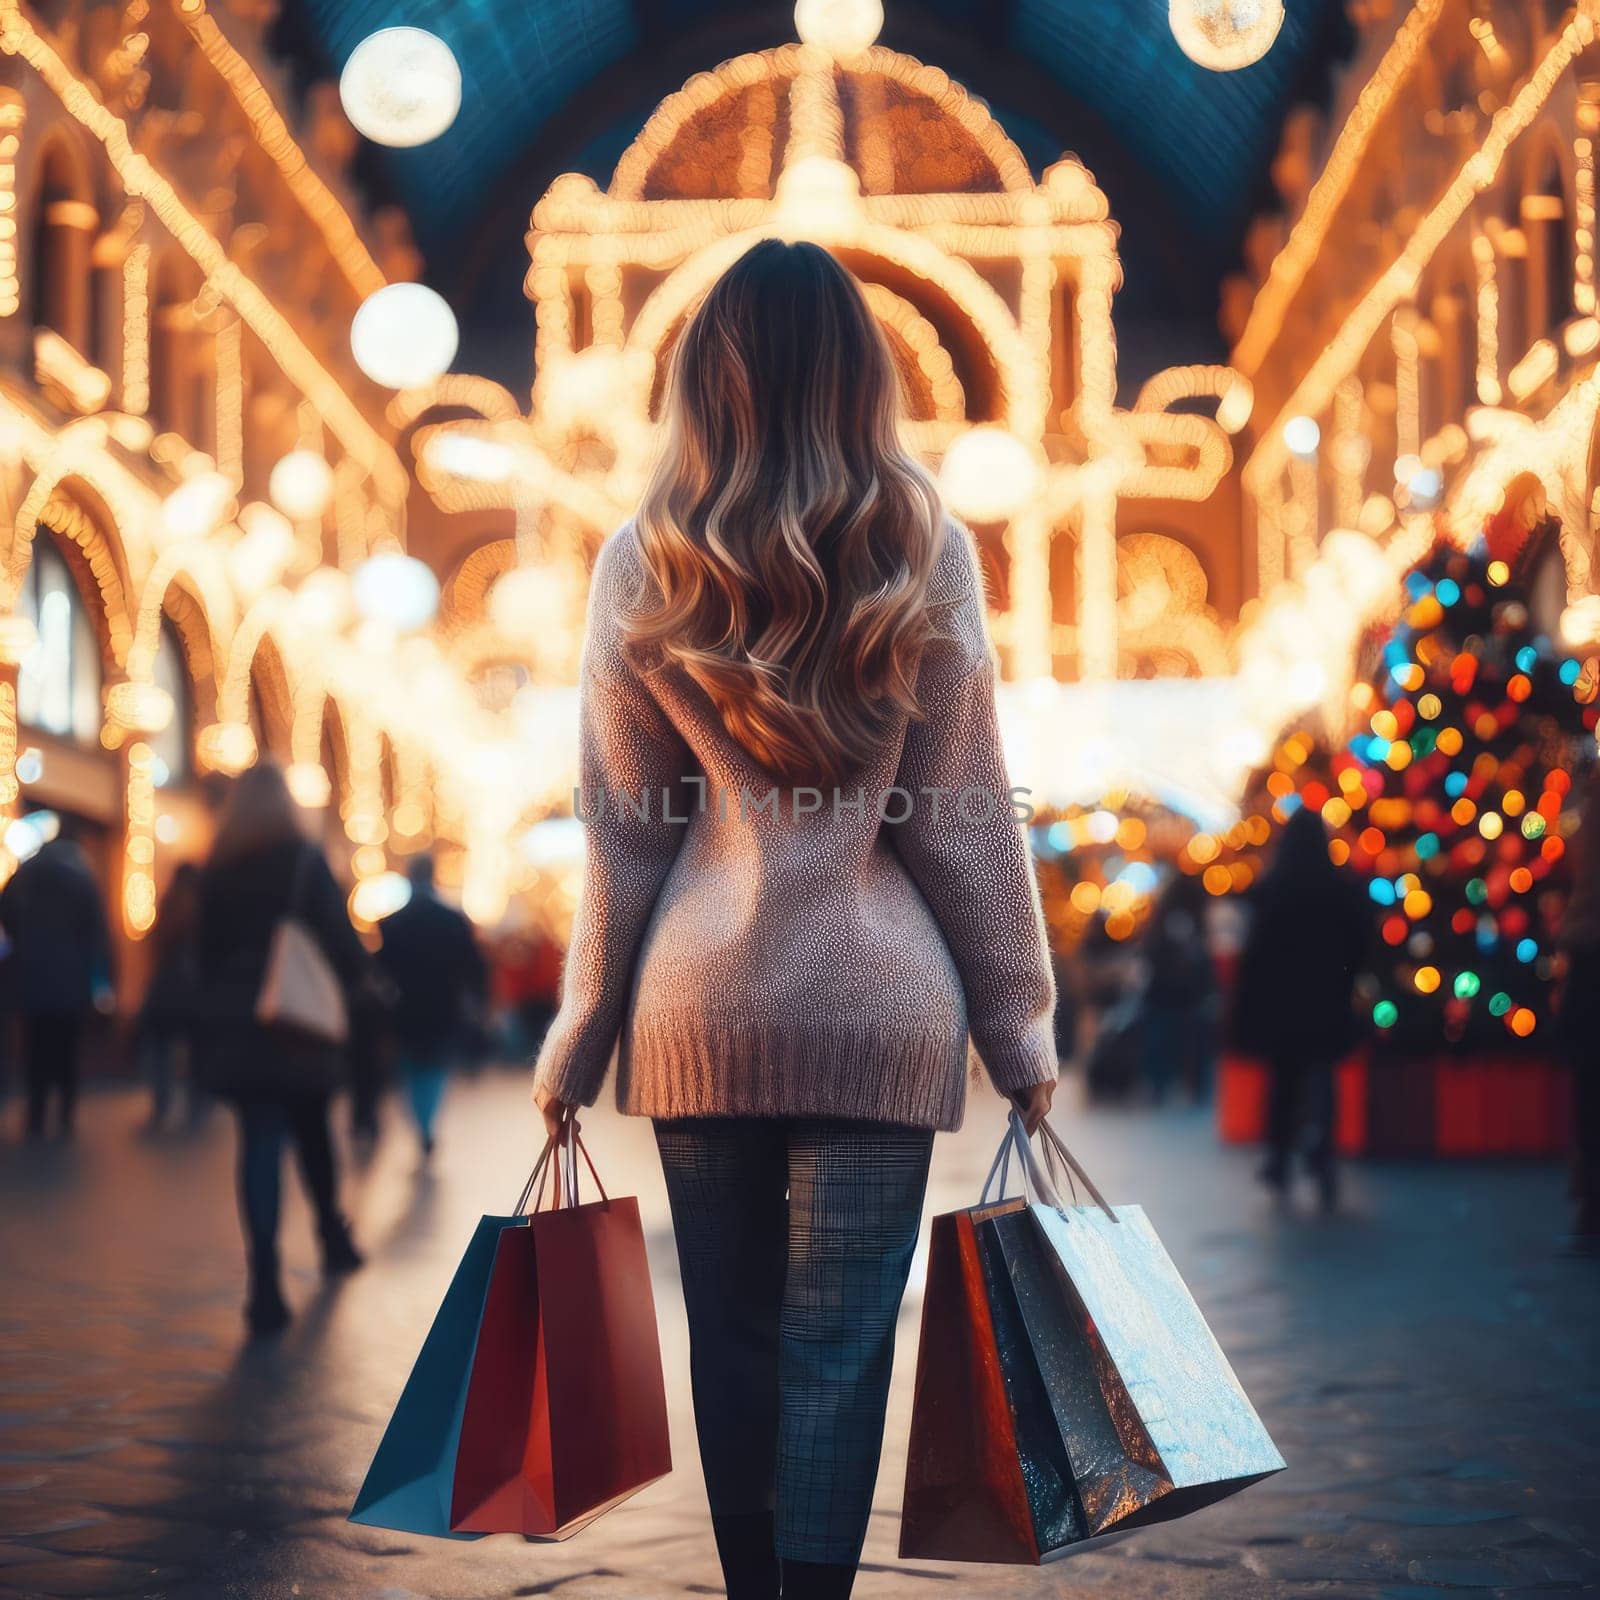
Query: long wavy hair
<point x="789" y="535"/>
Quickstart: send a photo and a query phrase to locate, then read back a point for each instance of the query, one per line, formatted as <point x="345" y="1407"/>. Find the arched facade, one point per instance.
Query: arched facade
<point x="995" y="290"/>
<point x="175" y="298"/>
<point x="1441" y="276"/>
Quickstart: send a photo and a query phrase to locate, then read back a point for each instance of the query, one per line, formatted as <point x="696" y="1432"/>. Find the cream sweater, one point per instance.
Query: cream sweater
<point x="804" y="954"/>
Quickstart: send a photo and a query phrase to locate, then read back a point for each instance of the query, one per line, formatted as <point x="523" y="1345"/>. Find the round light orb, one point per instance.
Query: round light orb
<point x="526" y="601"/>
<point x="397" y="589"/>
<point x="401" y="87"/>
<point x="471" y="456"/>
<point x="309" y="784"/>
<point x="301" y="485"/>
<point x="227" y="747"/>
<point x="1224" y="35"/>
<point x="139" y="707"/>
<point x="404" y="336"/>
<point x="1424" y="487"/>
<point x="988" y="474"/>
<point x="258" y="560"/>
<point x="841" y="27"/>
<point x="1580" y="622"/>
<point x="27" y="836"/>
<point x="379" y="896"/>
<point x="198" y="506"/>
<point x="1301" y="436"/>
<point x="18" y="637"/>
<point x="323" y="599"/>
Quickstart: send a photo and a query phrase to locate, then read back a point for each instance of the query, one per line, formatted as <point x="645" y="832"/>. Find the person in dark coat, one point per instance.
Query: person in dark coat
<point x="1180" y="992"/>
<point x="431" y="958"/>
<point x="1580" y="1021"/>
<point x="166" y="1019"/>
<point x="59" y="963"/>
<point x="262" y="870"/>
<point x="1297" y="973"/>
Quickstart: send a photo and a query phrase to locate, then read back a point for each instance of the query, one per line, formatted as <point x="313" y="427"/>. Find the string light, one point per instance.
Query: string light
<point x="272" y="135"/>
<point x="142" y="180"/>
<point x="13" y="113"/>
<point x="1346" y="162"/>
<point x="1314" y="390"/>
<point x="139" y="843"/>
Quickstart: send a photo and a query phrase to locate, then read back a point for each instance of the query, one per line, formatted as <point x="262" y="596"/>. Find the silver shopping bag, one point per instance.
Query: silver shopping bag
<point x="1122" y="1410"/>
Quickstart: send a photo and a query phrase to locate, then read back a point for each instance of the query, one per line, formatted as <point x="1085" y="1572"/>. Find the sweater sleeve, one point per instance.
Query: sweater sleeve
<point x="630" y="769"/>
<point x="962" y="841"/>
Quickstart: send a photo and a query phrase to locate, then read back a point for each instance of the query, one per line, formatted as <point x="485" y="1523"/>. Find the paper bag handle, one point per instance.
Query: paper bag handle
<point x="1040" y="1179"/>
<point x="564" y="1191"/>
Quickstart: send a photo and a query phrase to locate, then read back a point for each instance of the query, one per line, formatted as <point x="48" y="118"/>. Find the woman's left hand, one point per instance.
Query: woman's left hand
<point x="556" y="1112"/>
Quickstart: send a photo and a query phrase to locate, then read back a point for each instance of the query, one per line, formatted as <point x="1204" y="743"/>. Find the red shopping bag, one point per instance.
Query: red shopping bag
<point x="566" y="1411"/>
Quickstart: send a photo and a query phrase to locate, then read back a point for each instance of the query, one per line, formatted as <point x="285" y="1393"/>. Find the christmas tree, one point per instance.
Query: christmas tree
<point x="1454" y="799"/>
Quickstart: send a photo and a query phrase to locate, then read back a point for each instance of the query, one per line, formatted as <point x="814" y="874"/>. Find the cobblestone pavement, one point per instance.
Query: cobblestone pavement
<point x="1426" y="1362"/>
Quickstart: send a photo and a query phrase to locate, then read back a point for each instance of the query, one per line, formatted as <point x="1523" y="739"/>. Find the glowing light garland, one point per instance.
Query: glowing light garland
<point x="13" y="113"/>
<point x="1291" y="265"/>
<point x="1397" y="282"/>
<point x="142" y="180"/>
<point x="139" y="842"/>
<point x="321" y="205"/>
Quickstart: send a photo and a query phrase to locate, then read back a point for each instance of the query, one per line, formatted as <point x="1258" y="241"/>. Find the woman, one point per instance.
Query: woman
<point x="261" y="870"/>
<point x="1308" y="932"/>
<point x="805" y="883"/>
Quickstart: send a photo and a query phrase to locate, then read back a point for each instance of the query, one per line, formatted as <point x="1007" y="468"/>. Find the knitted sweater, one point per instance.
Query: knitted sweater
<point x="766" y="951"/>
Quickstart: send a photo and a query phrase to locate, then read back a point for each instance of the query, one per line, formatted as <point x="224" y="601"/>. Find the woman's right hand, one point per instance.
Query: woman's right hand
<point x="1033" y="1104"/>
<point x="556" y="1112"/>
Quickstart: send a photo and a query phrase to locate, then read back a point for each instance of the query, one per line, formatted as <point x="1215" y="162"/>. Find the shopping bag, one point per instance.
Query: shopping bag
<point x="1122" y="1409"/>
<point x="566" y="1411"/>
<point x="481" y="1430"/>
<point x="965" y="1499"/>
<point x="409" y="1484"/>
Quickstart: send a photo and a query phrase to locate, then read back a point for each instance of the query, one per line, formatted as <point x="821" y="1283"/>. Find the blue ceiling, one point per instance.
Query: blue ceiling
<point x="553" y="85"/>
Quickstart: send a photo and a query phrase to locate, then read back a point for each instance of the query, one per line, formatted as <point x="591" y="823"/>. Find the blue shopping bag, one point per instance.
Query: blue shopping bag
<point x="409" y="1483"/>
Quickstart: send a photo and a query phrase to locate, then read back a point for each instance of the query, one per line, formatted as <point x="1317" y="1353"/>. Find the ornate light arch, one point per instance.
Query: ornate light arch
<point x="947" y="275"/>
<point x="68" y="505"/>
<point x="784" y="64"/>
<point x="195" y="565"/>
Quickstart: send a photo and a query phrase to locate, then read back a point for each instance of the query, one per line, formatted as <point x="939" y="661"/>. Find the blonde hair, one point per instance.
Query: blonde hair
<point x="789" y="536"/>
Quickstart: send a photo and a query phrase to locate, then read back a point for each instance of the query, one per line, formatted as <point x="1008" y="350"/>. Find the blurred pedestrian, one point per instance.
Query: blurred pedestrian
<point x="367" y="1063"/>
<point x="1179" y="999"/>
<point x="59" y="955"/>
<point x="263" y="872"/>
<point x="1580" y="1020"/>
<point x="1297" y="973"/>
<point x="165" y="1026"/>
<point x="431" y="957"/>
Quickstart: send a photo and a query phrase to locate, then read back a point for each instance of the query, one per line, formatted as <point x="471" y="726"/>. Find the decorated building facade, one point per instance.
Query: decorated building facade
<point x="202" y="487"/>
<point x="191" y="465"/>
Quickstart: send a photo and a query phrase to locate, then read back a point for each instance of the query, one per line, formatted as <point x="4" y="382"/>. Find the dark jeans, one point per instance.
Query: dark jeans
<point x="51" y="1041"/>
<point x="265" y="1126"/>
<point x="795" y="1237"/>
<point x="1300" y="1111"/>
